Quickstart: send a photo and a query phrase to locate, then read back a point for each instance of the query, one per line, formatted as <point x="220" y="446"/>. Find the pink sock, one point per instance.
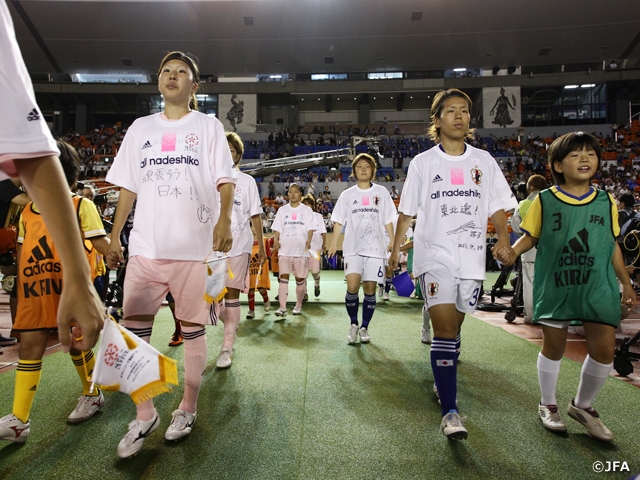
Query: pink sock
<point x="145" y="410"/>
<point x="283" y="291"/>
<point x="195" y="361"/>
<point x="301" y="289"/>
<point x="231" y="322"/>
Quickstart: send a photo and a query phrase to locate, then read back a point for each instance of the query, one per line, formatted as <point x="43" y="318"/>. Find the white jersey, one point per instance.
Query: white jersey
<point x="365" y="214"/>
<point x="246" y="204"/>
<point x="23" y="130"/>
<point x="453" y="197"/>
<point x="174" y="168"/>
<point x="387" y="239"/>
<point x="294" y="225"/>
<point x="316" y="241"/>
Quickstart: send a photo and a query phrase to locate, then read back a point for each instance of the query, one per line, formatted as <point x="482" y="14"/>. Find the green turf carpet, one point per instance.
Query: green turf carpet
<point x="299" y="403"/>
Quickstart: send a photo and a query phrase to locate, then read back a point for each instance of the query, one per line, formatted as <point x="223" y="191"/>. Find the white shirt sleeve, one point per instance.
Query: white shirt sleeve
<point x="410" y="199"/>
<point x="124" y="172"/>
<point x="339" y="215"/>
<point x="222" y="167"/>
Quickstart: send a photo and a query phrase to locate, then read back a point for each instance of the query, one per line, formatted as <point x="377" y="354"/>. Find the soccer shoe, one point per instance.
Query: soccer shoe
<point x="267" y="306"/>
<point x="281" y="312"/>
<point x="181" y="424"/>
<point x="224" y="359"/>
<point x="176" y="340"/>
<point x="364" y="335"/>
<point x="250" y="314"/>
<point x="352" y="336"/>
<point x="132" y="442"/>
<point x="297" y="310"/>
<point x="591" y="420"/>
<point x="316" y="291"/>
<point x="7" y="341"/>
<point x="551" y="419"/>
<point x="305" y="298"/>
<point x="13" y="430"/>
<point x="385" y="296"/>
<point x="86" y="408"/>
<point x="380" y="290"/>
<point x="452" y="426"/>
<point x="425" y="337"/>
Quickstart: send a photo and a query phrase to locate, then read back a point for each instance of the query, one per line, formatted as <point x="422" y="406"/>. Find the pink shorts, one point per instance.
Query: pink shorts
<point x="298" y="265"/>
<point x="314" y="264"/>
<point x="240" y="267"/>
<point x="148" y="282"/>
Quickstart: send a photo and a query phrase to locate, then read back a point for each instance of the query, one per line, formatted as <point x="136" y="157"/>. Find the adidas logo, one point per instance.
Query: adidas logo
<point x="147" y="144"/>
<point x="578" y="244"/>
<point x="572" y="268"/>
<point x="437" y="178"/>
<point x="34" y="388"/>
<point x="33" y="115"/>
<point x="355" y="202"/>
<point x="41" y="251"/>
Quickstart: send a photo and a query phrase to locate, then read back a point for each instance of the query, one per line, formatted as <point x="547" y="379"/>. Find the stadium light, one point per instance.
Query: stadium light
<point x="459" y="69"/>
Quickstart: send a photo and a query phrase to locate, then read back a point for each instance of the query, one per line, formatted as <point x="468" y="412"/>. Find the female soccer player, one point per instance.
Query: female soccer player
<point x="172" y="163"/>
<point x="246" y="214"/>
<point x="317" y="244"/>
<point x="453" y="188"/>
<point x="366" y="210"/>
<point x="293" y="230"/>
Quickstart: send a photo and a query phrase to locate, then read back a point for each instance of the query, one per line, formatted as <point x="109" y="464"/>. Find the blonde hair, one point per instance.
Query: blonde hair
<point x="192" y="63"/>
<point x="436" y="109"/>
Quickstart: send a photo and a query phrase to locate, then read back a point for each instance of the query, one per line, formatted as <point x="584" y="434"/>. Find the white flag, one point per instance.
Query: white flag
<point x="128" y="364"/>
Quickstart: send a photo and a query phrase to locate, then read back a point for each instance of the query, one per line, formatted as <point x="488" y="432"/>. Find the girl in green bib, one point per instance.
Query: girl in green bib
<point x="574" y="226"/>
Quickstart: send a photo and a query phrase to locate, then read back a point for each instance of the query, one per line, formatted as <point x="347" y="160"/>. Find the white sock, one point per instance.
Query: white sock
<point x="592" y="378"/>
<point x="548" y="371"/>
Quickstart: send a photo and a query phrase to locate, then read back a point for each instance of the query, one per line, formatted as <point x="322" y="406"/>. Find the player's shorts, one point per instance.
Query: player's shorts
<point x="439" y="287"/>
<point x="240" y="267"/>
<point x="371" y="269"/>
<point x="314" y="263"/>
<point x="298" y="265"/>
<point x="148" y="281"/>
<point x="23" y="130"/>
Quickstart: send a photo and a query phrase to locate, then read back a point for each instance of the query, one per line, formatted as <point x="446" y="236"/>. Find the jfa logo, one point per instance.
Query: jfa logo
<point x="610" y="466"/>
<point x="432" y="289"/>
<point x="476" y="175"/>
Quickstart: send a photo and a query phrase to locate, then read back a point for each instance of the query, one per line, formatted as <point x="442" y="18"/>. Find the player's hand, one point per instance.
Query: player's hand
<point x="114" y="257"/>
<point x="502" y="251"/>
<point x="629" y="298"/>
<point x="393" y="260"/>
<point x="276" y="246"/>
<point x="308" y="245"/>
<point x="80" y="315"/>
<point x="332" y="252"/>
<point x="262" y="256"/>
<point x="390" y="247"/>
<point x="222" y="239"/>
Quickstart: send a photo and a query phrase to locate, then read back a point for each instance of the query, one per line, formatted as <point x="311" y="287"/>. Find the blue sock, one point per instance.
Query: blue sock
<point x="352" y="301"/>
<point x="445" y="366"/>
<point x="368" y="307"/>
<point x="387" y="285"/>
<point x="458" y="342"/>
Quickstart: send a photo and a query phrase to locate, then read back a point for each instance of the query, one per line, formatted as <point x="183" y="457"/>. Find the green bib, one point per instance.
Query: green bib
<point x="574" y="277"/>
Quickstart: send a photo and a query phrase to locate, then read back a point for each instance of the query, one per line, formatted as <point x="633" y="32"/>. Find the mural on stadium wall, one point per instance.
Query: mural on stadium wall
<point x="501" y="107"/>
<point x="238" y="113"/>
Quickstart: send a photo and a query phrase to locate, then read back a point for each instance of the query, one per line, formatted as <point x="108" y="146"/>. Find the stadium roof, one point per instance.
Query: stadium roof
<point x="248" y="37"/>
